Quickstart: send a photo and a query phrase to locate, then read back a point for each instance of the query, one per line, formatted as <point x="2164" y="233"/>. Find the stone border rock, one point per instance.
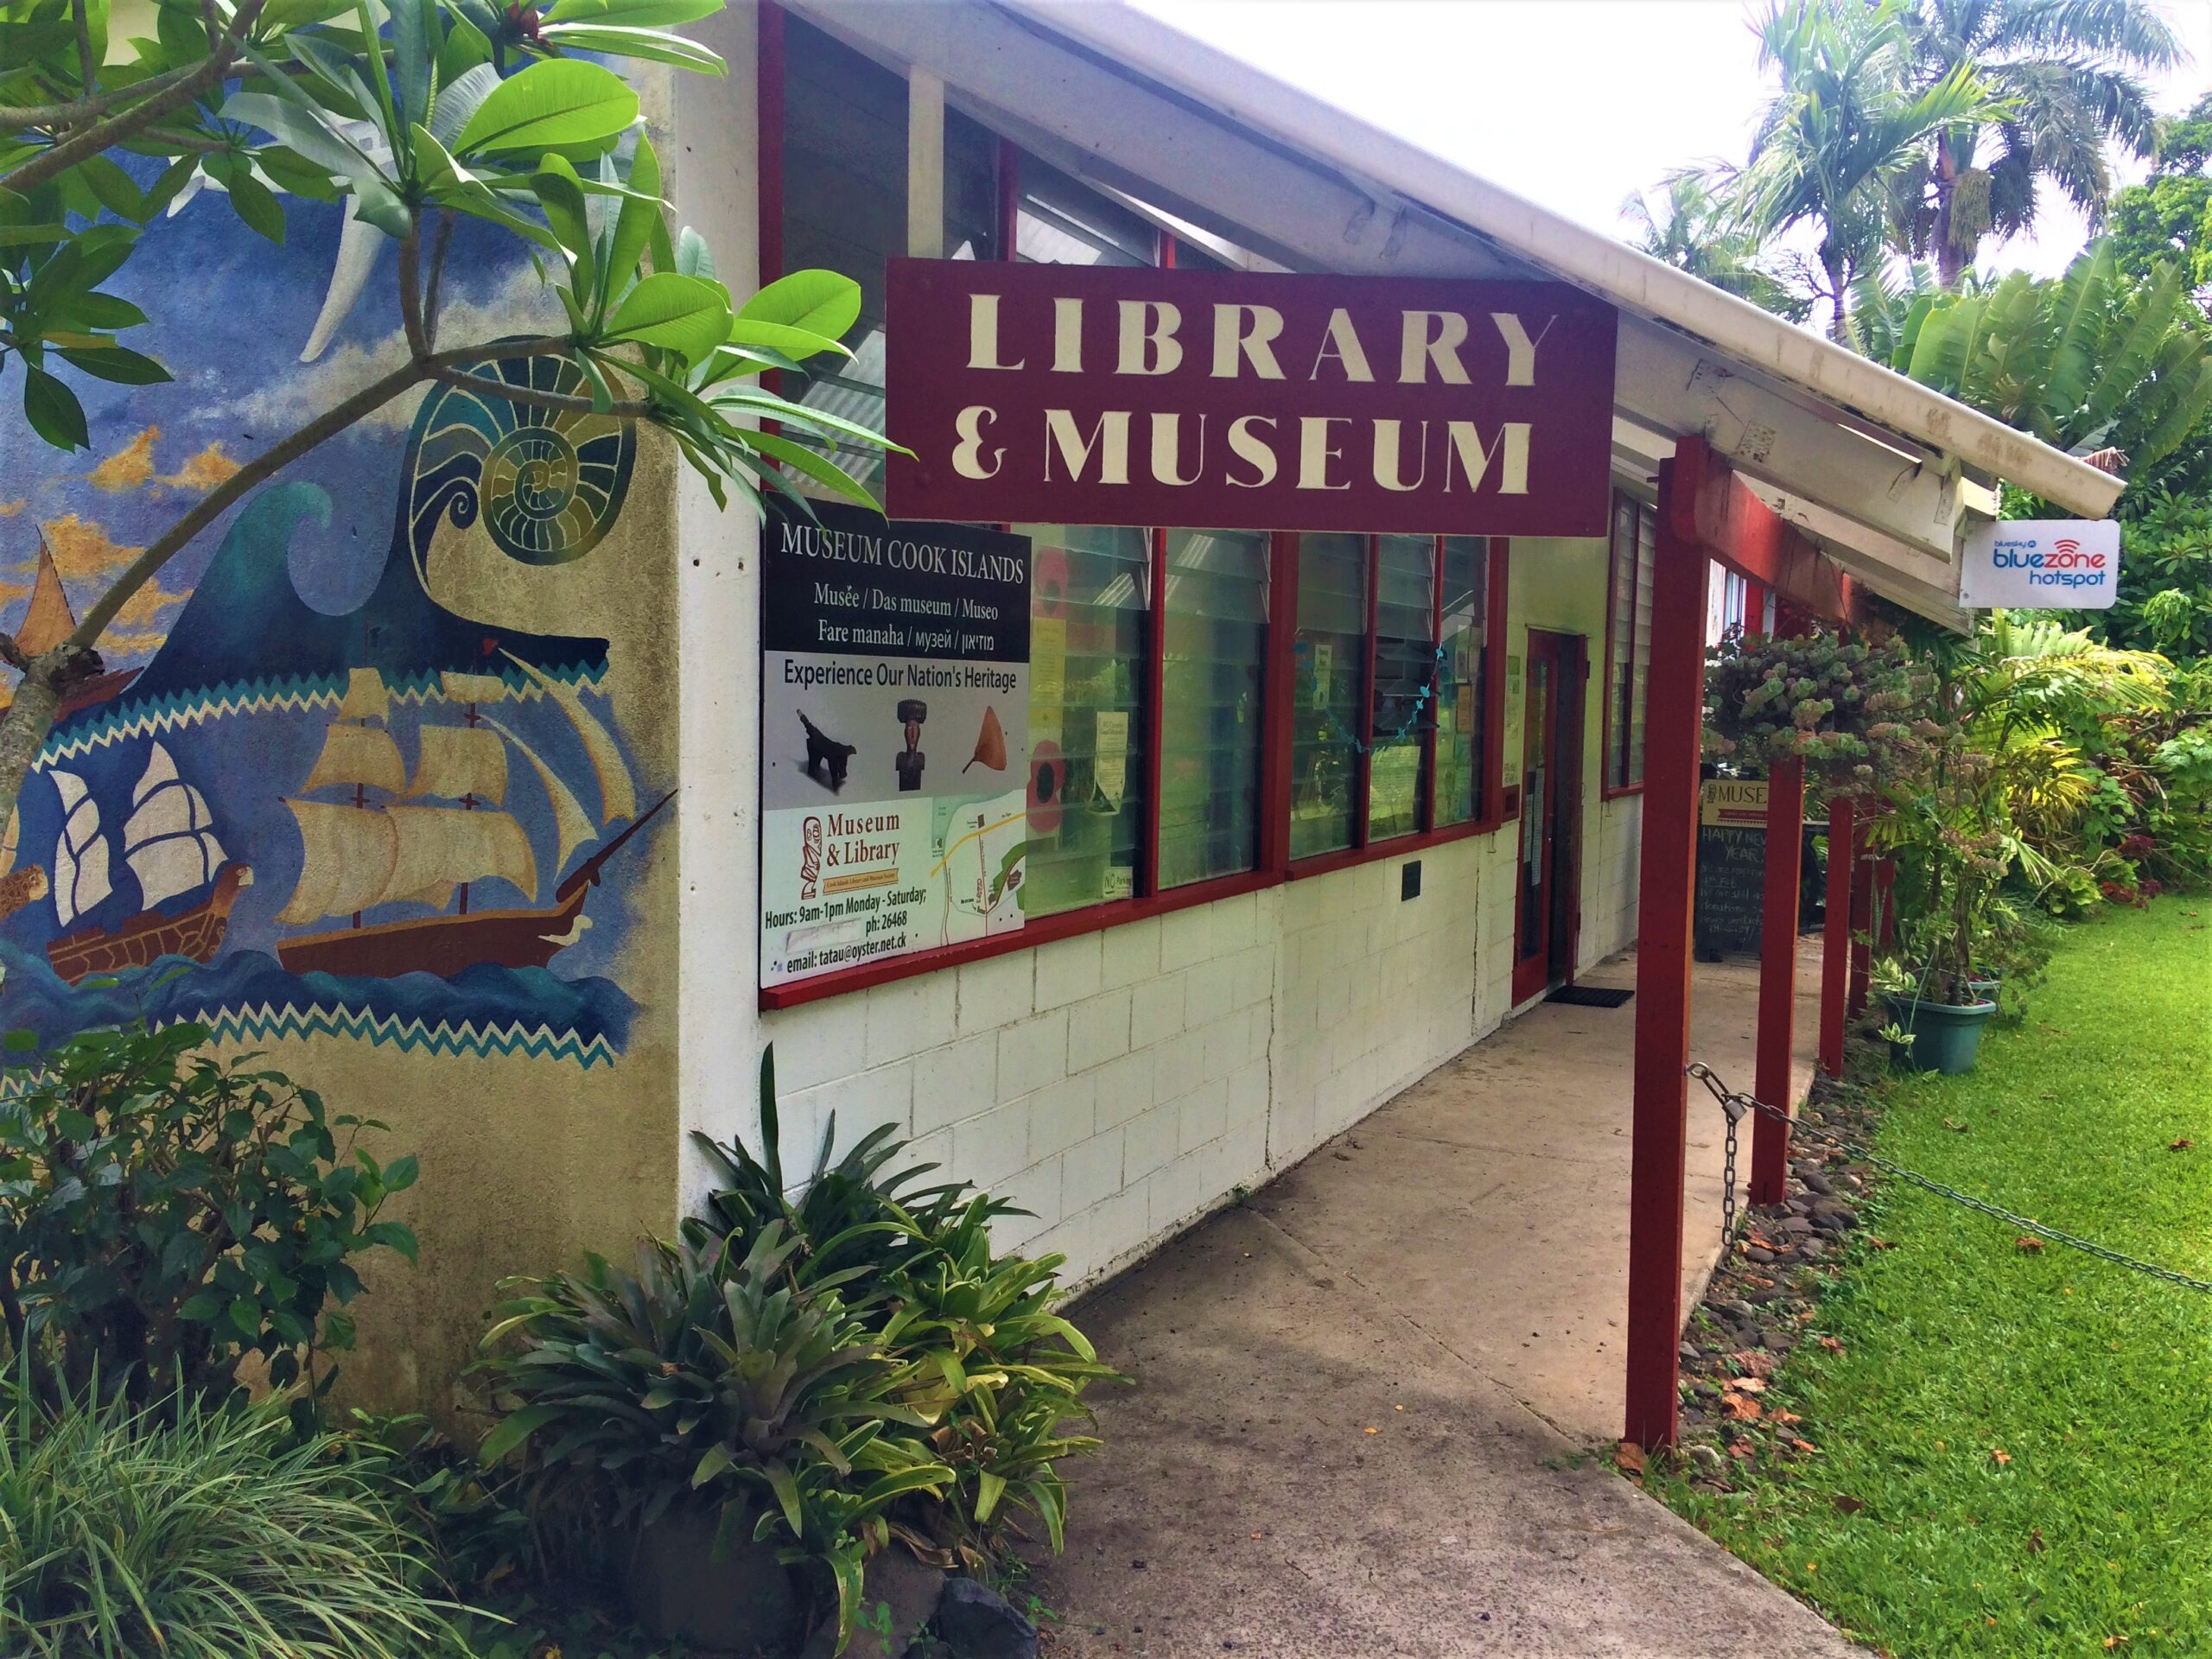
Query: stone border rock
<point x="1763" y="1298"/>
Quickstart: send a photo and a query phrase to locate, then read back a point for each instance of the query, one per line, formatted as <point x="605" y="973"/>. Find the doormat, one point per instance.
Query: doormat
<point x="1589" y="996"/>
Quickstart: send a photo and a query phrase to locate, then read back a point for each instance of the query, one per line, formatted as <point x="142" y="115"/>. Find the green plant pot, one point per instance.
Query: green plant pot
<point x="1945" y="1038"/>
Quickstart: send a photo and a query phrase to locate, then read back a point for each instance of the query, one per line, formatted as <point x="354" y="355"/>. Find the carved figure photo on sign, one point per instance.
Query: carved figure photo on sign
<point x="825" y="754"/>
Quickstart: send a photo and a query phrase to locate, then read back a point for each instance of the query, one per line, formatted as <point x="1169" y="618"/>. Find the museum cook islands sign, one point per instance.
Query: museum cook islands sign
<point x="894" y="737"/>
<point x="1234" y="400"/>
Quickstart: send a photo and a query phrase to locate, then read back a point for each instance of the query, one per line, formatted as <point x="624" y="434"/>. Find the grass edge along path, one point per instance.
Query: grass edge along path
<point x="2013" y="1441"/>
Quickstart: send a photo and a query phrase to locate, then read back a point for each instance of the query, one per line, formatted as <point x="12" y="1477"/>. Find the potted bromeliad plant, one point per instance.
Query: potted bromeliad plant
<point x="794" y="1386"/>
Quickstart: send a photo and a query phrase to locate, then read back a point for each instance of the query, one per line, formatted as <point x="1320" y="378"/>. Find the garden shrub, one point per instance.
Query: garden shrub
<point x="199" y="1531"/>
<point x="164" y="1214"/>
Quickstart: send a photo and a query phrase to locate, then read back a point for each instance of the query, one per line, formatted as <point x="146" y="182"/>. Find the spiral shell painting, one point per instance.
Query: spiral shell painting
<point x="547" y="482"/>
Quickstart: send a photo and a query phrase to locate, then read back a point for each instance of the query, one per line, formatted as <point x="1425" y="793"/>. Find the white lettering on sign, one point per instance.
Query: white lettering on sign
<point x="1246" y="333"/>
<point x="1148" y="342"/>
<point x="1433" y="337"/>
<point x="984" y="333"/>
<point x="1110" y="438"/>
<point x="1101" y="395"/>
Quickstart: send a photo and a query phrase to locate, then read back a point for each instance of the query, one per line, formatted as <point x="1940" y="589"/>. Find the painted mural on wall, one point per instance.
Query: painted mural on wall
<point x="325" y="786"/>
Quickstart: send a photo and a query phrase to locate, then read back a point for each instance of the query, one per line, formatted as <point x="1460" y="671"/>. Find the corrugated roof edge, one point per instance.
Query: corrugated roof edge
<point x="1609" y="269"/>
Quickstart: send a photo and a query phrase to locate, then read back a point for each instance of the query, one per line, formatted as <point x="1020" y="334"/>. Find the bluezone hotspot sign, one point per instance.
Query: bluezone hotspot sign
<point x="2041" y="564"/>
<point x="894" y="737"/>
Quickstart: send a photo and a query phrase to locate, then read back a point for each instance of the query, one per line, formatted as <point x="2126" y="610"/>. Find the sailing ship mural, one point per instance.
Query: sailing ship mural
<point x="170" y="851"/>
<point x="390" y="821"/>
<point x="381" y="845"/>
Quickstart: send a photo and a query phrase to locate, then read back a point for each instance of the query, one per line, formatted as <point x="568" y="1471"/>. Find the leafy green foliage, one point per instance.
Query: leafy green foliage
<point x="201" y="1532"/>
<point x="2010" y="795"/>
<point x="163" y="1214"/>
<point x="1694" y="229"/>
<point x="2167" y="219"/>
<point x="699" y="1378"/>
<point x="2066" y="86"/>
<point x="2073" y="360"/>
<point x="833" y="1371"/>
<point x="2164" y="602"/>
<point x="467" y="1516"/>
<point x="413" y="113"/>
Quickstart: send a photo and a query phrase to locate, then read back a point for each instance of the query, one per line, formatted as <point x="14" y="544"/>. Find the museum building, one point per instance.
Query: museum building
<point x="1122" y="855"/>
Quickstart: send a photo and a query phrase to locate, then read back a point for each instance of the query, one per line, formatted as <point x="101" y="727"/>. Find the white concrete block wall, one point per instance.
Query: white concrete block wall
<point x="1373" y="990"/>
<point x="1609" y="881"/>
<point x="1119" y="1085"/>
<point x="1115" y="1085"/>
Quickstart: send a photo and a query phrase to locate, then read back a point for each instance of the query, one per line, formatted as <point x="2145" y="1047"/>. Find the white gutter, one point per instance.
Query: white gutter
<point x="1611" y="269"/>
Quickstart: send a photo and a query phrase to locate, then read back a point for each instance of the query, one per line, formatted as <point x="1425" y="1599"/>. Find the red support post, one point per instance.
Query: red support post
<point x="1835" y="936"/>
<point x="1785" y="840"/>
<point x="1862" y="918"/>
<point x="1675" y="723"/>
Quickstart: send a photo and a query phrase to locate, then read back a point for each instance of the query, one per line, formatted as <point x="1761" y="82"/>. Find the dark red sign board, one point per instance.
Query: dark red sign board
<point x="1073" y="394"/>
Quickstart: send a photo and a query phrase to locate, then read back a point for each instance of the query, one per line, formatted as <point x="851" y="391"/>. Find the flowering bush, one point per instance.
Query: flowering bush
<point x="1844" y="707"/>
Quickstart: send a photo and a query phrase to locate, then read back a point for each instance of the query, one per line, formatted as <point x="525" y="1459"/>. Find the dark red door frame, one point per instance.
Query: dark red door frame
<point x="1835" y="936"/>
<point x="1575" y="697"/>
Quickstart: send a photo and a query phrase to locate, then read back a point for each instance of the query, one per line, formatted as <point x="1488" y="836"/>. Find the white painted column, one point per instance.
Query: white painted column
<point x="714" y="162"/>
<point x="925" y="165"/>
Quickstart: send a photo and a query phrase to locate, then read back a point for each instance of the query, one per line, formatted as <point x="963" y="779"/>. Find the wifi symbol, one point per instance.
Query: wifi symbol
<point x="2067" y="545"/>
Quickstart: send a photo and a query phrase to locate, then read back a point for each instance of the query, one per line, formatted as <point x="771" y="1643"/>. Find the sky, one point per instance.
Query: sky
<point x="1574" y="104"/>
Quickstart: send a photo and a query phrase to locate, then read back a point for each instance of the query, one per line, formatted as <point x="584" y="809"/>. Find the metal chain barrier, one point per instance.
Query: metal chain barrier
<point x="1740" y="1106"/>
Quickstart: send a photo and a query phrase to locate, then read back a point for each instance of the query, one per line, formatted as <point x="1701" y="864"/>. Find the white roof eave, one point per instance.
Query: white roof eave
<point x="1609" y="269"/>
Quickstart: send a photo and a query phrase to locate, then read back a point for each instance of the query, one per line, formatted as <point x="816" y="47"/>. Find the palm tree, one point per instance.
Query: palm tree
<point x="1692" y="229"/>
<point x="2065" y="72"/>
<point x="1845" y="133"/>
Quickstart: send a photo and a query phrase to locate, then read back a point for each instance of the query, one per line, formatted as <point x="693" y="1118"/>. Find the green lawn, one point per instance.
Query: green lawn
<point x="2030" y="1433"/>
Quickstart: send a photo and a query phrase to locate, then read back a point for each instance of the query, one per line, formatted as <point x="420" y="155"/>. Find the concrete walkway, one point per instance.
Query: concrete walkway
<point x="1362" y="1403"/>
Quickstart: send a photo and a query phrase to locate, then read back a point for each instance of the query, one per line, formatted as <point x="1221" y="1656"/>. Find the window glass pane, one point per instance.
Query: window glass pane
<point x="1216" y="618"/>
<point x="1620" y="657"/>
<point x="1459" y="708"/>
<point x="844" y="209"/>
<point x="972" y="189"/>
<point x="1405" y="669"/>
<point x="1061" y="222"/>
<point x="1088" y="588"/>
<point x="1647" y="548"/>
<point x="1634" y="547"/>
<point x="1329" y="662"/>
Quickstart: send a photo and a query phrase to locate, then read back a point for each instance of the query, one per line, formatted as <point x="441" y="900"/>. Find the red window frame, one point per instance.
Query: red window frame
<point x="1608" y="790"/>
<point x="1273" y="865"/>
<point x="1491" y="805"/>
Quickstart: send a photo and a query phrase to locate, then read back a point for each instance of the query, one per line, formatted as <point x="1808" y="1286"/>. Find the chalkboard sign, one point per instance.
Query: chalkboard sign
<point x="1731" y="866"/>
